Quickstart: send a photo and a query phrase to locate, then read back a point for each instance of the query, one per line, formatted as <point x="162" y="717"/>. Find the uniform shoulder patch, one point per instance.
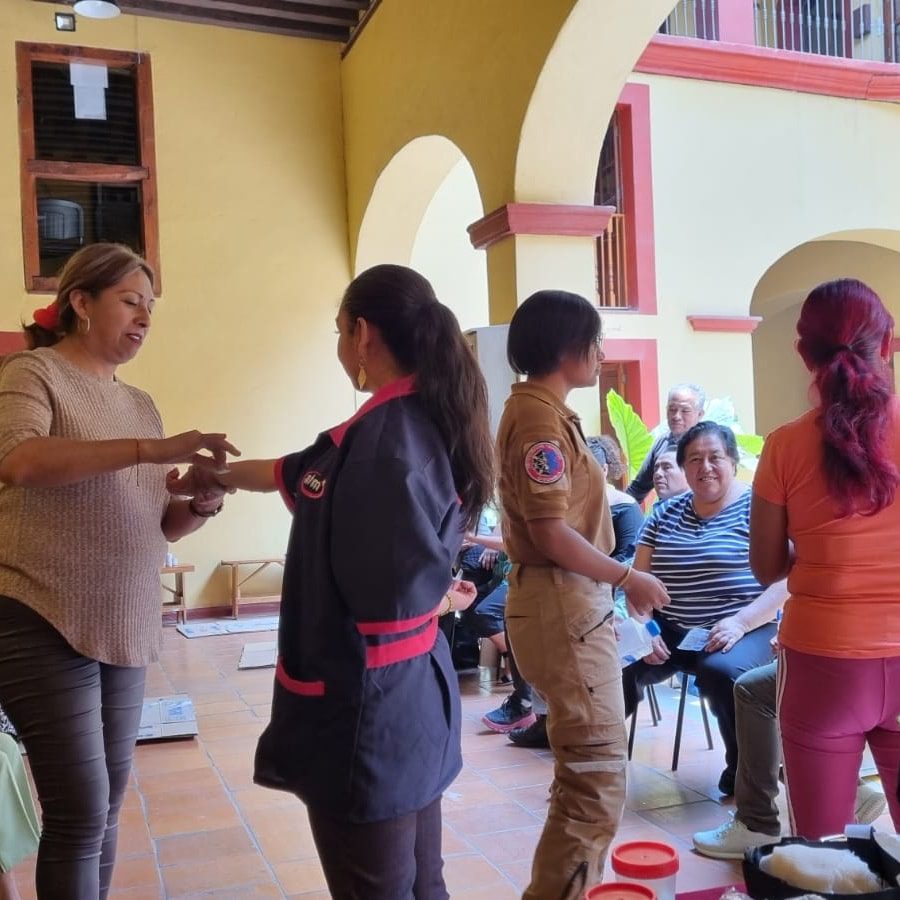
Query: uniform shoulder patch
<point x="544" y="462"/>
<point x="312" y="484"/>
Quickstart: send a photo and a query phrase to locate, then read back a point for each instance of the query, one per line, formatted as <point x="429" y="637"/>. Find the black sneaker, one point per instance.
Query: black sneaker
<point x="726" y="783"/>
<point x="534" y="736"/>
<point x="512" y="713"/>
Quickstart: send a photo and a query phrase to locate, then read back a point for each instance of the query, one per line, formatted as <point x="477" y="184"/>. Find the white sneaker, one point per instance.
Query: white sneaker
<point x="730" y="840"/>
<point x="870" y="803"/>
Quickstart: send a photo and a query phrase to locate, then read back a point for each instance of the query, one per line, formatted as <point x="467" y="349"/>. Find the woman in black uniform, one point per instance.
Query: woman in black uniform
<point x="365" y="715"/>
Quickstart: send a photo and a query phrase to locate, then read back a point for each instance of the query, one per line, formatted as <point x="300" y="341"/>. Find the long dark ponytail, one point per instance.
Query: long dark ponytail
<point x="424" y="337"/>
<point x="845" y="332"/>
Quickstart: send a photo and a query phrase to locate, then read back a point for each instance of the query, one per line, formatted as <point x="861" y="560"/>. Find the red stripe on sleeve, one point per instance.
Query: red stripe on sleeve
<point x="303" y="688"/>
<point x="282" y="487"/>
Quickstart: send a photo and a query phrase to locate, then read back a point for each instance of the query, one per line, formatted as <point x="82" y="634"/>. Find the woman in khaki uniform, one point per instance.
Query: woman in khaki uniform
<point x="558" y="534"/>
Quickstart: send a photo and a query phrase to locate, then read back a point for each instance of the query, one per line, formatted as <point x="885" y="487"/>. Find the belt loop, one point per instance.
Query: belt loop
<point x="557" y="576"/>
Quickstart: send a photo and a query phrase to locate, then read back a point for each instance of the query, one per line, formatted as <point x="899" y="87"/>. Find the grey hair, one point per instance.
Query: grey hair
<point x="694" y="389"/>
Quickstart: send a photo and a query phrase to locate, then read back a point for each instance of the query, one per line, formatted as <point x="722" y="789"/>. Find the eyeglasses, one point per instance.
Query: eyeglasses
<point x="598" y="342"/>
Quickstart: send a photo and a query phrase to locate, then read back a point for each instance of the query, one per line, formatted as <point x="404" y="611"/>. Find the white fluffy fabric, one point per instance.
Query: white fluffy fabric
<point x="821" y="869"/>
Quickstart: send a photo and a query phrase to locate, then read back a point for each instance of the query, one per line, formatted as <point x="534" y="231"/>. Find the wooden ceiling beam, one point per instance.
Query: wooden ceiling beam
<point x="279" y="9"/>
<point x="330" y="20"/>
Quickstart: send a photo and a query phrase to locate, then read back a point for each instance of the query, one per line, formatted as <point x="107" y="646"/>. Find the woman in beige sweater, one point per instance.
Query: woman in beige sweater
<point x="84" y="520"/>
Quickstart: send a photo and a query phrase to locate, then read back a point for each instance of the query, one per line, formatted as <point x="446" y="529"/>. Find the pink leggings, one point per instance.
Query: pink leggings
<point x="828" y="710"/>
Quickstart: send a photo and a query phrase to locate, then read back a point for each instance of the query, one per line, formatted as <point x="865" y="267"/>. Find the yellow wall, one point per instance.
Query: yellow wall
<point x="253" y="245"/>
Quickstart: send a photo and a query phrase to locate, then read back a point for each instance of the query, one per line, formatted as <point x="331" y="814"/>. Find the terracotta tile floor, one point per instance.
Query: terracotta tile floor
<point x="194" y="825"/>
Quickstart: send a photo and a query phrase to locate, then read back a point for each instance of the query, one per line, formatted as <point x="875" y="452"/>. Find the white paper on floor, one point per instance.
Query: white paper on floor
<point x="229" y="626"/>
<point x="166" y="718"/>
<point x="259" y="656"/>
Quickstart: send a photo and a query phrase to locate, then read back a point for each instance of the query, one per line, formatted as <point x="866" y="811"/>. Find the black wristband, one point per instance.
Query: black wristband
<point x="204" y="515"/>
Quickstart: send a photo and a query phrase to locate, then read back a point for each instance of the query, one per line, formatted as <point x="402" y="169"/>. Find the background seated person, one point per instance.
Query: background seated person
<point x="484" y="563"/>
<point x="755" y="821"/>
<point x="697" y="543"/>
<point x="626" y="513"/>
<point x="683" y="410"/>
<point x="668" y="476"/>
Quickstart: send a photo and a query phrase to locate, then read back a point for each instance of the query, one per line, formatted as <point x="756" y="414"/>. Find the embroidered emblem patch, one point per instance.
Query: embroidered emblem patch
<point x="544" y="463"/>
<point x="312" y="484"/>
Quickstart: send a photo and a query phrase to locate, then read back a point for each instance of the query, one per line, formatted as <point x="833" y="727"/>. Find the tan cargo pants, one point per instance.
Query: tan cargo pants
<point x="561" y="630"/>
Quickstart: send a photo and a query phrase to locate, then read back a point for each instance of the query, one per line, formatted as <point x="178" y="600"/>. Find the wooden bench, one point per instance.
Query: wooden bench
<point x="177" y="602"/>
<point x="237" y="582"/>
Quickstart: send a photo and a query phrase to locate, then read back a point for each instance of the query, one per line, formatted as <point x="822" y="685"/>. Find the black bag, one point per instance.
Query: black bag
<point x="762" y="886"/>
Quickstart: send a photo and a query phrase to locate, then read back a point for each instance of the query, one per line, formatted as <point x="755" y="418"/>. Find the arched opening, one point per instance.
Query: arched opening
<point x="417" y="216"/>
<point x="780" y="381"/>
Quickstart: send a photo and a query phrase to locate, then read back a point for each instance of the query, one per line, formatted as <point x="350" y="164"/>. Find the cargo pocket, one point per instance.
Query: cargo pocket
<point x="593" y="645"/>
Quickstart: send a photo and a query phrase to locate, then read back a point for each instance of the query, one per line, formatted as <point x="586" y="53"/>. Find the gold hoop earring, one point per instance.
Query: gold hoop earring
<point x="87" y="326"/>
<point x="361" y="376"/>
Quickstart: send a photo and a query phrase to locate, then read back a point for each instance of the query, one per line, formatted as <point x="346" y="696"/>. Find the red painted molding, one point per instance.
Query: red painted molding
<point x="539" y="218"/>
<point x="633" y="115"/>
<point x="11" y="342"/>
<point x="641" y="373"/>
<point x="782" y="69"/>
<point x="725" y="324"/>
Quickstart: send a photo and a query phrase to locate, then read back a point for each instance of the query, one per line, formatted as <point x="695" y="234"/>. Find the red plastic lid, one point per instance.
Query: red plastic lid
<point x="615" y="891"/>
<point x="645" y="860"/>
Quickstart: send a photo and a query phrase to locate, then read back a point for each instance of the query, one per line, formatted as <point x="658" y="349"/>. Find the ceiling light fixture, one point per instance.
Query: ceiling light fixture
<point x="97" y="9"/>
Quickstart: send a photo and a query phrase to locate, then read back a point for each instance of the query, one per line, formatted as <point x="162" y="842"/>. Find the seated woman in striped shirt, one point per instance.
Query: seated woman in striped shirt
<point x="698" y="545"/>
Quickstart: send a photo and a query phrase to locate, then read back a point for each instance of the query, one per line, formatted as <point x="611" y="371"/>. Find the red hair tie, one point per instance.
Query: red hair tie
<point x="48" y="317"/>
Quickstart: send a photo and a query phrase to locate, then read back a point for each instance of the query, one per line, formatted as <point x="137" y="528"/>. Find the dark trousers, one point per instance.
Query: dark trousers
<point x="716" y="674"/>
<point x="397" y="859"/>
<point x="78" y="719"/>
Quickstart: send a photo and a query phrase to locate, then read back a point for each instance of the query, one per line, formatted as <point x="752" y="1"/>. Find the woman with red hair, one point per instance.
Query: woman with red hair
<point x="825" y="514"/>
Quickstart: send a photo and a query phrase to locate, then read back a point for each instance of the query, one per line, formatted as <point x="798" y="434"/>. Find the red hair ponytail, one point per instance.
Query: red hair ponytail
<point x="845" y="332"/>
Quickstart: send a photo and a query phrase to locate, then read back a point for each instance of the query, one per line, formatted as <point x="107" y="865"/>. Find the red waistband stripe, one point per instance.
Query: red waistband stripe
<point x="397" y="626"/>
<point x="379" y="655"/>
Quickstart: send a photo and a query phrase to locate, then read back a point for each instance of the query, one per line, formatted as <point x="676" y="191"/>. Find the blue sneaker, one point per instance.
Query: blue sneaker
<point x="512" y="713"/>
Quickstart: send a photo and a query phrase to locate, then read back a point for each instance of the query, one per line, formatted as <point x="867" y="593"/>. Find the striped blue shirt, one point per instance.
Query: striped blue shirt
<point x="704" y="563"/>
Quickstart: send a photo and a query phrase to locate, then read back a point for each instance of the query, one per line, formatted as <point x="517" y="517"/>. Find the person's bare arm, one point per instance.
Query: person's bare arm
<point x="569" y="550"/>
<point x="54" y="461"/>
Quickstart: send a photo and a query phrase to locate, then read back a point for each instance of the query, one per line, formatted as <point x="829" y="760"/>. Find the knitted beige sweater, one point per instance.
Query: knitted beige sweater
<point x="86" y="556"/>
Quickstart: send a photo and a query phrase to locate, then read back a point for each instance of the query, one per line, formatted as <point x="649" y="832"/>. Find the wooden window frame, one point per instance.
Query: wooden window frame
<point x="32" y="169"/>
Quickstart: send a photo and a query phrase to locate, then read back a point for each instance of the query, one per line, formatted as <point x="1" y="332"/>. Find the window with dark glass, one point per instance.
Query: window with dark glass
<point x="88" y="168"/>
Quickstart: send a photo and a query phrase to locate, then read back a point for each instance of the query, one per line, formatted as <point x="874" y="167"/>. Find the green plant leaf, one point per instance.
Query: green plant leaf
<point x="750" y="443"/>
<point x="633" y="435"/>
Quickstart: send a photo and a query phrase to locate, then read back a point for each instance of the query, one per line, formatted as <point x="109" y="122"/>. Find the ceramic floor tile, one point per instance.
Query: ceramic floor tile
<point x="203" y="845"/>
<point x="301" y="877"/>
<point x="240" y="870"/>
<point x="486" y="819"/>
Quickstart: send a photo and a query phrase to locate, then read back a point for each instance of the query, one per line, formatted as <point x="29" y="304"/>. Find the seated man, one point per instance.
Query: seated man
<point x="668" y="477"/>
<point x="684" y="408"/>
<point x="755" y="820"/>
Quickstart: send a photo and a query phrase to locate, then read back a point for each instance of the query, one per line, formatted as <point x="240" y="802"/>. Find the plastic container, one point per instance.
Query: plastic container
<point x="652" y="864"/>
<point x="635" y="639"/>
<point x="615" y="890"/>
